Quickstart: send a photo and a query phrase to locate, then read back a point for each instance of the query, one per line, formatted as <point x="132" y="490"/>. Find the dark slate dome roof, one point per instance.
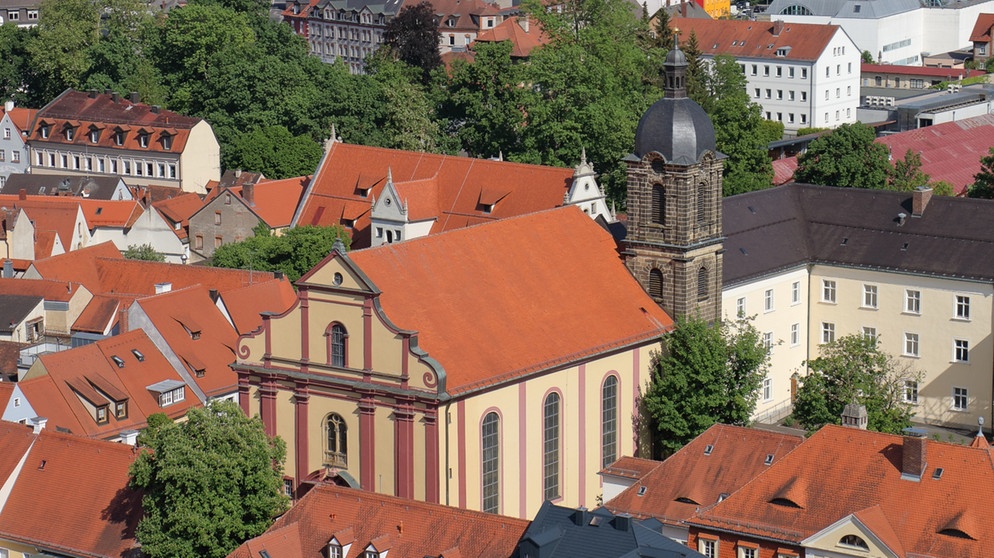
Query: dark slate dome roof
<point x="678" y="129"/>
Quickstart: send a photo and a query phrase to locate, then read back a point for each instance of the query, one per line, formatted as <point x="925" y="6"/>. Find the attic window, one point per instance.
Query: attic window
<point x="41" y="466"/>
<point x="94" y="135"/>
<point x="70" y="133"/>
<point x="708" y="449"/>
<point x="855" y="9"/>
<point x="121" y="409"/>
<point x="854" y="542"/>
<point x="685" y="500"/>
<point x="263" y="554"/>
<point x="118" y="361"/>
<point x="787" y="503"/>
<point x="905" y="247"/>
<point x="845" y="241"/>
<point x="769" y="459"/>
<point x="937" y="473"/>
<point x="118" y="137"/>
<point x="722" y="496"/>
<point x="100" y="210"/>
<point x="167" y="142"/>
<point x="487" y="208"/>
<point x="102" y="415"/>
<point x="953" y="532"/>
<point x="138" y="354"/>
<point x="45" y="130"/>
<point x="172" y="396"/>
<point x="143" y="139"/>
<point x="349" y="223"/>
<point x="783" y="51"/>
<point x="642" y="490"/>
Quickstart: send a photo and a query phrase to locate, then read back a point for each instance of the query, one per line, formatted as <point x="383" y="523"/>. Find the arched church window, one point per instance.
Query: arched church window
<point x="702" y="205"/>
<point x="658" y="204"/>
<point x="702" y="283"/>
<point x="656" y="284"/>
<point x="550" y="452"/>
<point x="490" y="444"/>
<point x="336" y="435"/>
<point x="609" y="421"/>
<point x="337" y="339"/>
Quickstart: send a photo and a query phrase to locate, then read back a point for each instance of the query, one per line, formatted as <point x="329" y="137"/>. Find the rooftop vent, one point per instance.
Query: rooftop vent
<point x="138" y="354"/>
<point x="642" y="490"/>
<point x="900" y="218"/>
<point x="118" y="361"/>
<point x="769" y="459"/>
<point x="708" y="449"/>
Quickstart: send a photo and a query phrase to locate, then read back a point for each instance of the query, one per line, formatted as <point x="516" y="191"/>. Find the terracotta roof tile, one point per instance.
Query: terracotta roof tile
<point x="464" y="315"/>
<point x="630" y="467"/>
<point x="755" y="39"/>
<point x="179" y="209"/>
<point x="22" y="117"/>
<point x="56" y="291"/>
<point x="512" y="29"/>
<point x="716" y="463"/>
<point x="941" y="73"/>
<point x="349" y="170"/>
<point x="982" y="29"/>
<point x="847" y="471"/>
<point x="78" y="265"/>
<point x="404" y="527"/>
<point x="98" y="316"/>
<point x="76" y="488"/>
<point x="245" y="305"/>
<point x="277" y="200"/>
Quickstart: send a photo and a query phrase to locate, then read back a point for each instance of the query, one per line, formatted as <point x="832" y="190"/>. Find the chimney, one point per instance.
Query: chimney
<point x="683" y="9"/>
<point x="913" y="458"/>
<point x="115" y="97"/>
<point x="22" y="194"/>
<point x="919" y="200"/>
<point x="777" y="27"/>
<point x="523" y="21"/>
<point x="581" y="517"/>
<point x="156" y="109"/>
<point x="134" y="97"/>
<point x="122" y="319"/>
<point x="900" y="218"/>
<point x="854" y="416"/>
<point x="8" y="269"/>
<point x="129" y="437"/>
<point x="623" y="522"/>
<point x="238" y="173"/>
<point x="38" y="424"/>
<point x="92" y="93"/>
<point x="8" y="106"/>
<point x="163" y="288"/>
<point x="248" y="193"/>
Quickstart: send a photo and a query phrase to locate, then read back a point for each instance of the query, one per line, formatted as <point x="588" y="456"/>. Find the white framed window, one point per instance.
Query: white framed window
<point x="962" y="309"/>
<point x="795" y="292"/>
<point x="961" y="350"/>
<point x="911" y="344"/>
<point x="6" y="133"/>
<point x="768" y="300"/>
<point x="768" y="340"/>
<point x="748" y="552"/>
<point x="960" y="399"/>
<point x="870" y="333"/>
<point x="827" y="332"/>
<point x="767" y="389"/>
<point x="708" y="547"/>
<point x="913" y="301"/>
<point x="910" y="394"/>
<point x="869" y="296"/>
<point x="828" y="291"/>
<point x="740" y="307"/>
<point x="795" y="335"/>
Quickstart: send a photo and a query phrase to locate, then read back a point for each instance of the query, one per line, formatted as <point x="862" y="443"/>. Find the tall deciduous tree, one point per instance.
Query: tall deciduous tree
<point x="853" y="369"/>
<point x="145" y="252"/>
<point x="209" y="483"/>
<point x="60" y="51"/>
<point x="705" y="374"/>
<point x="294" y="253"/>
<point x="274" y="152"/>
<point x="907" y="173"/>
<point x="413" y="35"/>
<point x="983" y="181"/>
<point x="847" y="157"/>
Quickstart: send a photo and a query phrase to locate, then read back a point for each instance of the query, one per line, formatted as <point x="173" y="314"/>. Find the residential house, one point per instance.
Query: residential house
<point x="890" y="76"/>
<point x="40" y="227"/>
<point x="850" y="492"/>
<point x="13" y="129"/>
<point x="802" y="75"/>
<point x="524" y="34"/>
<point x="338" y="521"/>
<point x="176" y="212"/>
<point x="231" y="214"/>
<point x="349" y="30"/>
<point x="460" y="21"/>
<point x="297" y="14"/>
<point x="90" y="187"/>
<point x="91" y="133"/>
<point x="387" y="195"/>
<point x="983" y="30"/>
<point x="243" y="307"/>
<point x="105" y="390"/>
<point x="23" y="13"/>
<point x="22" y="318"/>
<point x="366" y="385"/>
<point x="77" y="489"/>
<point x="64" y="301"/>
<point x="714" y="465"/>
<point x="561" y="532"/>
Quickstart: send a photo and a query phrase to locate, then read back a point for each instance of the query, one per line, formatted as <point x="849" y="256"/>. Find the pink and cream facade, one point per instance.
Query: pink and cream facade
<point x="395" y="391"/>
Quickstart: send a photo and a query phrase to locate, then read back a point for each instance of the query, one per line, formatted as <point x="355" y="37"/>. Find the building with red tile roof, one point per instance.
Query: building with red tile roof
<point x="447" y="325"/>
<point x="433" y="193"/>
<point x="715" y="464"/>
<point x="105" y="389"/>
<point x="353" y="521"/>
<point x="981" y="37"/>
<point x="850" y="492"/>
<point x="524" y="34"/>
<point x="77" y="489"/>
<point x="177" y="211"/>
<point x="911" y="77"/>
<point x="244" y="307"/>
<point x="103" y="133"/>
<point x="99" y="316"/>
<point x="803" y="75"/>
<point x="460" y="21"/>
<point x="37" y="228"/>
<point x="78" y="265"/>
<point x="65" y="301"/>
<point x="14" y="124"/>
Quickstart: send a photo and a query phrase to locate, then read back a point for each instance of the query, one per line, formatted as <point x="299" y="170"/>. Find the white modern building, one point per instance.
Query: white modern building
<point x="802" y="75"/>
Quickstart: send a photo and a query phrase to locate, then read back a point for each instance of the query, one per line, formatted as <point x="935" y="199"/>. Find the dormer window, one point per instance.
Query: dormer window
<point x="334" y="550"/>
<point x="854" y="541"/>
<point x="70" y="133"/>
<point x="143" y="139"/>
<point x="167" y="142"/>
<point x="138" y="355"/>
<point x="94" y="135"/>
<point x="172" y="396"/>
<point x="119" y="137"/>
<point x="102" y="415"/>
<point x="45" y="130"/>
<point x="121" y="409"/>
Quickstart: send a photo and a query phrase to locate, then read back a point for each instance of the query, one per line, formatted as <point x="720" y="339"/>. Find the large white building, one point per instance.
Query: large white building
<point x="802" y="75"/>
<point x="892" y="31"/>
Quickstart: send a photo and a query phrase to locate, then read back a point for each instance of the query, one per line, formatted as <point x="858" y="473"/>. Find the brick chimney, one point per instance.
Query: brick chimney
<point x="248" y="193"/>
<point x="913" y="457"/>
<point x="777" y="27"/>
<point x="919" y="199"/>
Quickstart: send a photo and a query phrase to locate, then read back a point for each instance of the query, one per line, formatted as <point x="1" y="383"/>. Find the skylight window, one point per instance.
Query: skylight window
<point x="118" y="361"/>
<point x="937" y="473"/>
<point x="642" y="490"/>
<point x="708" y="449"/>
<point x="138" y="354"/>
<point x="769" y="459"/>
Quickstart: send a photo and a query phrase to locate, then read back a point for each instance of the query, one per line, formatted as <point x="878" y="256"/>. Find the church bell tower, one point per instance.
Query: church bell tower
<point x="674" y="242"/>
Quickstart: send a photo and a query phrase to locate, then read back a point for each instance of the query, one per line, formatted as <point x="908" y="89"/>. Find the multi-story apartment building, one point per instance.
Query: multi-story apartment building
<point x="349" y="30"/>
<point x="91" y="133"/>
<point x="13" y="149"/>
<point x="22" y="13"/>
<point x="802" y="75"/>
<point x="460" y="21"/>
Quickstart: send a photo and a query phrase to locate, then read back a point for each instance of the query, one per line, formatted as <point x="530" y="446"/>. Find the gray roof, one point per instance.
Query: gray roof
<point x="14" y="309"/>
<point x="165" y="385"/>
<point x="387" y="7"/>
<point x="677" y="129"/>
<point x="96" y="187"/>
<point x="788" y="226"/>
<point x="850" y="9"/>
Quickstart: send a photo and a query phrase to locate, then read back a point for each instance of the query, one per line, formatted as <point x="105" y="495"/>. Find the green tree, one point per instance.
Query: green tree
<point x="274" y="152"/>
<point x="705" y="374"/>
<point x="907" y="173"/>
<point x="664" y="33"/>
<point x="853" y="369"/>
<point x="414" y="37"/>
<point x="294" y="253"/>
<point x="942" y="188"/>
<point x="866" y="57"/>
<point x="847" y="157"/>
<point x="60" y="51"/>
<point x="145" y="252"/>
<point x="696" y="68"/>
<point x="983" y="181"/>
<point x="209" y="483"/>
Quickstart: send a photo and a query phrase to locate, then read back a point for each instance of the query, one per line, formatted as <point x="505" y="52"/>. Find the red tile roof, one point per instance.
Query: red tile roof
<point x="58" y="291"/>
<point x="178" y="316"/>
<point x="941" y="73"/>
<point x="98" y="213"/>
<point x="630" y="467"/>
<point x="179" y="209"/>
<point x="783" y="170"/>
<point x="78" y="265"/>
<point x="406" y="528"/>
<point x="15" y="439"/>
<point x="512" y="29"/>
<point x="275" y="201"/>
<point x="693" y="475"/>
<point x="245" y="305"/>
<point x="77" y="489"/>
<point x="98" y="316"/>
<point x="755" y="39"/>
<point x="90" y="368"/>
<point x="512" y="272"/>
<point x="347" y="170"/>
<point x="21" y="117"/>
<point x="982" y="29"/>
<point x="50" y="215"/>
<point x="840" y="472"/>
<point x="107" y="114"/>
<point x="465" y="12"/>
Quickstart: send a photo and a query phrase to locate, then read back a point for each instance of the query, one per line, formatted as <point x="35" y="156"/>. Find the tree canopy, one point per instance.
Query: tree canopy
<point x="143" y="252"/>
<point x="853" y="369"/>
<point x="209" y="483"/>
<point x="413" y="35"/>
<point x="983" y="181"/>
<point x="846" y="157"/>
<point x="704" y="374"/>
<point x="907" y="173"/>
<point x="294" y="253"/>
